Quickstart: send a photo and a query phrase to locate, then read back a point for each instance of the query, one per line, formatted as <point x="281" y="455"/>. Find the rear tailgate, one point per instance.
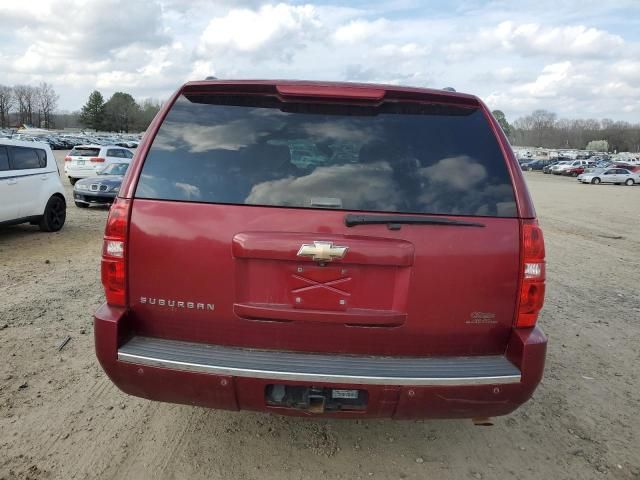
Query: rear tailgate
<point x="419" y="291"/>
<point x="238" y="235"/>
<point x="79" y="158"/>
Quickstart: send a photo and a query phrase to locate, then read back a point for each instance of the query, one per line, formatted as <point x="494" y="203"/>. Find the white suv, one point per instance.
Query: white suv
<point x="30" y="186"/>
<point x="87" y="160"/>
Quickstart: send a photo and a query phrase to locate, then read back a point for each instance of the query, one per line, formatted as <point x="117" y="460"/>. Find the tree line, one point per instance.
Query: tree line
<point x="121" y="113"/>
<point x="30" y="105"/>
<point x="542" y="128"/>
<point x="36" y="106"/>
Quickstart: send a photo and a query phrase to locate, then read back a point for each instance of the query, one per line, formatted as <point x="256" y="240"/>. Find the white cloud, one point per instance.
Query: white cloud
<point x="359" y="30"/>
<point x="571" y="88"/>
<point x="93" y="32"/>
<point x="572" y="40"/>
<point x="628" y="70"/>
<point x="273" y="31"/>
<point x="552" y="81"/>
<point x="404" y="51"/>
<point x="202" y="69"/>
<point x="505" y="75"/>
<point x="533" y="39"/>
<point x="570" y="59"/>
<point x="395" y="76"/>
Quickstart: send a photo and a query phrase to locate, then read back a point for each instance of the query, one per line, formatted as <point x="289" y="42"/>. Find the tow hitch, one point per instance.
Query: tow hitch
<point x="315" y="399"/>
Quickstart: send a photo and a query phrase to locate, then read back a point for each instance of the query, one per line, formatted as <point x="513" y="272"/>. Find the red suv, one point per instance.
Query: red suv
<point x="327" y="248"/>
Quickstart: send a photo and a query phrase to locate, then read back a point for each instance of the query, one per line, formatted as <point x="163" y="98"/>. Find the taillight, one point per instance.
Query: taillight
<point x="531" y="296"/>
<point x="96" y="159"/>
<point x="67" y="158"/>
<point x="114" y="253"/>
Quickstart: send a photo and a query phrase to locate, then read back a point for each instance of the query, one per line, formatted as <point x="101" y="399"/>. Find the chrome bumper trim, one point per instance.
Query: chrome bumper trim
<point x="323" y="368"/>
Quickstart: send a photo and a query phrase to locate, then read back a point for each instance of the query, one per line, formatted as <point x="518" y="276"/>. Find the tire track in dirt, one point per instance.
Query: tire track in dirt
<point x="155" y="452"/>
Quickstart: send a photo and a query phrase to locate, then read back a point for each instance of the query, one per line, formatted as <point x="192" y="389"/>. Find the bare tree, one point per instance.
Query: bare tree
<point x="30" y="102"/>
<point x="20" y="93"/>
<point x="47" y="103"/>
<point x="7" y="101"/>
<point x="543" y="129"/>
<point x="35" y="105"/>
<point x="36" y="118"/>
<point x="26" y="96"/>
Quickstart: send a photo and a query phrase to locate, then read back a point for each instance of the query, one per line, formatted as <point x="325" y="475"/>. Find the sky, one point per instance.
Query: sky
<point x="577" y="58"/>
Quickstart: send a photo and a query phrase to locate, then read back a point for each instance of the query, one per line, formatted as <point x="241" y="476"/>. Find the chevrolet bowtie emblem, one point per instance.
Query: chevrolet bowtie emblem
<point x="322" y="251"/>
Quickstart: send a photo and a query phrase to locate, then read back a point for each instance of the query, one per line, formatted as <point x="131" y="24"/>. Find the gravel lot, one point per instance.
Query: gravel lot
<point x="60" y="417"/>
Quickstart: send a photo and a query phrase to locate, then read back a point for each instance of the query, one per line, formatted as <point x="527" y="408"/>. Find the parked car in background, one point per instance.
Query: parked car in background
<point x="128" y="144"/>
<point x="590" y="170"/>
<point x="523" y="165"/>
<point x="556" y="166"/>
<point x="574" y="171"/>
<point x="101" y="189"/>
<point x="562" y="167"/>
<point x="552" y="163"/>
<point x="283" y="266"/>
<point x="618" y="176"/>
<point x="63" y="143"/>
<point x="87" y="160"/>
<point x="631" y="168"/>
<point x="547" y="168"/>
<point x="536" y="165"/>
<point x="30" y="186"/>
<point x="603" y="164"/>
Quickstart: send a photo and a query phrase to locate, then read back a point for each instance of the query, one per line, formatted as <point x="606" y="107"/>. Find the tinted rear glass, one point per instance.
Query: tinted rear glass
<point x="84" y="152"/>
<point x="393" y="158"/>
<point x="25" y="158"/>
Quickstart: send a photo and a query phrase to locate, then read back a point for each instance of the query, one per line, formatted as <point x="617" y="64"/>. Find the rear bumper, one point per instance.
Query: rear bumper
<point x="72" y="172"/>
<point x="89" y="197"/>
<point x="233" y="378"/>
<point x="317" y="368"/>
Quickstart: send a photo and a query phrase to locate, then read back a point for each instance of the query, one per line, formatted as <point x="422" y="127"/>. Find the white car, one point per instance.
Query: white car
<point x="558" y="165"/>
<point x="86" y="161"/>
<point x="30" y="186"/>
<point x="563" y="166"/>
<point x="615" y="175"/>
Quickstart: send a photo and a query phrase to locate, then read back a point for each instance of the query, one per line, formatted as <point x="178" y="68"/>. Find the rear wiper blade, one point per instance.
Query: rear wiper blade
<point x="394" y="221"/>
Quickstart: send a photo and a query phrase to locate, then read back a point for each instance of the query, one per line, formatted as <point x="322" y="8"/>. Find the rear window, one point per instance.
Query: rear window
<point x="407" y="158"/>
<point x="84" y="152"/>
<point x="114" y="153"/>
<point x="25" y="158"/>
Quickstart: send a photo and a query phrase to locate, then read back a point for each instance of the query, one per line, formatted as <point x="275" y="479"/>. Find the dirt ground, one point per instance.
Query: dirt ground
<point x="60" y="417"/>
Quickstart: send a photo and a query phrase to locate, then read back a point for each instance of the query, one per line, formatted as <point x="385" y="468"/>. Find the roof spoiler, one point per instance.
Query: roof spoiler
<point x="288" y="90"/>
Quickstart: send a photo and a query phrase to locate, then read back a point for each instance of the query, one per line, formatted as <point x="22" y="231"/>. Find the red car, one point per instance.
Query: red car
<point x="628" y="166"/>
<point x="575" y="171"/>
<point x="334" y="249"/>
